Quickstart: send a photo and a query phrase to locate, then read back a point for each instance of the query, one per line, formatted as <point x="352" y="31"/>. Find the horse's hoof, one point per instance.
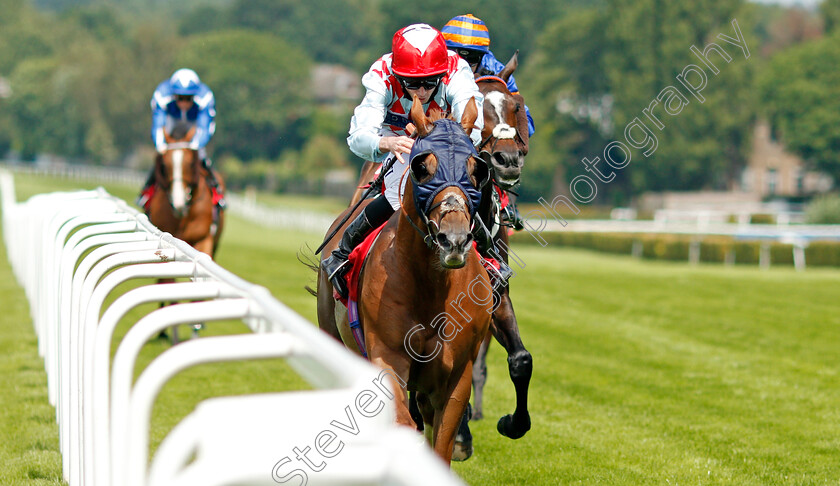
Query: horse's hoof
<point x="462" y="450"/>
<point x="513" y="429"/>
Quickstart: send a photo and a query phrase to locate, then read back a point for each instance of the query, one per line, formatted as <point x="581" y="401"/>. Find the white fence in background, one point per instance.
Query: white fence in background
<point x="70" y="250"/>
<point x="244" y="207"/>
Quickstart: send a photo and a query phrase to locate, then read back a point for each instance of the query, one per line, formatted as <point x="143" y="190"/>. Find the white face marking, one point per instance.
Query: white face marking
<point x="502" y="130"/>
<point x="496" y="100"/>
<point x="178" y="189"/>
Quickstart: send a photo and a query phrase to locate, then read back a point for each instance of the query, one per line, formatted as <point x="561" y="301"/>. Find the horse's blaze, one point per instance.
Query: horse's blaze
<point x="179" y="198"/>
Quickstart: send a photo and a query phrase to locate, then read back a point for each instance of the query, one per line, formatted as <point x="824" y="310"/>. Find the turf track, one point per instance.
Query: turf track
<point x="645" y="372"/>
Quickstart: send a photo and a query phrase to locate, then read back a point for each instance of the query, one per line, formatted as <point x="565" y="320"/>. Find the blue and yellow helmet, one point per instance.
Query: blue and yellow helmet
<point x="467" y="32"/>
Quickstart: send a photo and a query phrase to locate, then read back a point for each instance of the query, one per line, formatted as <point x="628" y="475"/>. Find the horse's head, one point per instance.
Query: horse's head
<point x="447" y="177"/>
<point x="501" y="145"/>
<point x="177" y="168"/>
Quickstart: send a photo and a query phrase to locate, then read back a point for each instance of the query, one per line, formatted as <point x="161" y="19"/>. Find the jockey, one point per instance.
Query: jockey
<point x="183" y="98"/>
<point x="418" y="65"/>
<point x="468" y="36"/>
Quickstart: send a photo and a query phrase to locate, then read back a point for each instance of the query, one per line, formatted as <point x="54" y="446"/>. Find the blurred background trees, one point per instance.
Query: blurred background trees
<point x="76" y="78"/>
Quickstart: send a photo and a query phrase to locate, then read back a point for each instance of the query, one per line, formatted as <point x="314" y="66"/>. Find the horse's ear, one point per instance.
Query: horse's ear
<point x="510" y="67"/>
<point x="190" y="133"/>
<point x="421" y="121"/>
<point x="470" y="115"/>
<point x="168" y="137"/>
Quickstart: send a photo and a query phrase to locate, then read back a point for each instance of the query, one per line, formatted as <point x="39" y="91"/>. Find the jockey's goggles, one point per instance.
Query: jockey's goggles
<point x="429" y="83"/>
<point x="183" y="97"/>
<point x="469" y="55"/>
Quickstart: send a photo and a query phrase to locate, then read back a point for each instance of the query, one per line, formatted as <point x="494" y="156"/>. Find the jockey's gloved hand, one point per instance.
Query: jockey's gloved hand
<point x="160" y="147"/>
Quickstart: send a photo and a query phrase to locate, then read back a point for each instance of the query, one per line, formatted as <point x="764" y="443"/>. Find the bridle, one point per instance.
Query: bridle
<point x="432" y="227"/>
<point x="502" y="131"/>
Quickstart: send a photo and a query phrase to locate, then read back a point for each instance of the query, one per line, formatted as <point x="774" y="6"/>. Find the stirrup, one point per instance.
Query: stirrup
<point x="336" y="277"/>
<point x="511" y="215"/>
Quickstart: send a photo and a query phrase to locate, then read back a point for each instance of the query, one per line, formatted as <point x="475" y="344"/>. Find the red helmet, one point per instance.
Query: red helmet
<point x="419" y="50"/>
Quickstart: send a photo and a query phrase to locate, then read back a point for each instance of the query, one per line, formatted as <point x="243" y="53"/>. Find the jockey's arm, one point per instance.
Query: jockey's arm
<point x="364" y="139"/>
<point x="461" y="88"/>
<point x="205" y="124"/>
<point x="158" y="122"/>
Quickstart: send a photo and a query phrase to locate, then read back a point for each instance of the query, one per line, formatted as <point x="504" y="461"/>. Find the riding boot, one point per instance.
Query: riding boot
<point x="337" y="265"/>
<point x="218" y="198"/>
<point x="485" y="247"/>
<point x="146" y="192"/>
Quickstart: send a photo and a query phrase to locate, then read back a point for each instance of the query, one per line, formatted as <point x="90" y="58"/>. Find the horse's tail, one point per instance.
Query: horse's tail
<point x="307" y="257"/>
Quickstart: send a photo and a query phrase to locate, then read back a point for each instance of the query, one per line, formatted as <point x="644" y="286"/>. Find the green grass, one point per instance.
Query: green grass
<point x="645" y="372"/>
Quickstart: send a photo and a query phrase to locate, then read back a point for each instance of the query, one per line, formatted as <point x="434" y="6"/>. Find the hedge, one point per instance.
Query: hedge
<point x="720" y="249"/>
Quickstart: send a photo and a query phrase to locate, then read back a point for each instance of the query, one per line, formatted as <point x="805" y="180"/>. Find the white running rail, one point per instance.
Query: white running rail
<point x="70" y="250"/>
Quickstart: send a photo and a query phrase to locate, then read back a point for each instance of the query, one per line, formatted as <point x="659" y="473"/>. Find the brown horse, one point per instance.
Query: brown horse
<point x="412" y="302"/>
<point x="504" y="144"/>
<point x="182" y="204"/>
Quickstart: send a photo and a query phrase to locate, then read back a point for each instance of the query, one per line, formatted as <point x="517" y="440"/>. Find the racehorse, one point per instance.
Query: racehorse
<point x="504" y="146"/>
<point x="182" y="204"/>
<point x="412" y="306"/>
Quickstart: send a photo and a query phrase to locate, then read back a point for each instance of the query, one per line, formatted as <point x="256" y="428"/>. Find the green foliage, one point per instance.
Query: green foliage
<point x="261" y="85"/>
<point x="713" y="249"/>
<point x="830" y="10"/>
<point x="824" y="210"/>
<point x="596" y="70"/>
<point x="800" y="90"/>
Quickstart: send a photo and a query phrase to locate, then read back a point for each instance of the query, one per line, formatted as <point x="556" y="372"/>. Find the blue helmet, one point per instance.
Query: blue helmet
<point x="184" y="82"/>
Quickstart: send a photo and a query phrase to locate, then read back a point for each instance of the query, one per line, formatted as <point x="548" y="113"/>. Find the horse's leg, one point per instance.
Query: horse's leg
<point x="427" y="416"/>
<point x="399" y="364"/>
<point x="463" y="449"/>
<point x="450" y="413"/>
<point x="520" y="366"/>
<point x="205" y="245"/>
<point x="479" y="378"/>
<point x="415" y="412"/>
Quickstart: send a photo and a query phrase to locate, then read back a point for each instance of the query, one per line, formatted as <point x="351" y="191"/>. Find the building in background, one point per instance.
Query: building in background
<point x="773" y="172"/>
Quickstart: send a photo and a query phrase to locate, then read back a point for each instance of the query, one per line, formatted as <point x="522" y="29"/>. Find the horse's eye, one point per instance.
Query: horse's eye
<point x="517" y="108"/>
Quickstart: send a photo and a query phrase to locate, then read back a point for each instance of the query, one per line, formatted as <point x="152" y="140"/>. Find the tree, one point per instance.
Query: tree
<point x="261" y="84"/>
<point x="830" y="10"/>
<point x="566" y="94"/>
<point x="609" y="65"/>
<point x="801" y="93"/>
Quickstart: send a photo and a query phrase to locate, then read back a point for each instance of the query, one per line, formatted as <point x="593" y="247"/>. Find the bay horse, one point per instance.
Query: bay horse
<point x="412" y="306"/>
<point x="504" y="144"/>
<point x="182" y="204"/>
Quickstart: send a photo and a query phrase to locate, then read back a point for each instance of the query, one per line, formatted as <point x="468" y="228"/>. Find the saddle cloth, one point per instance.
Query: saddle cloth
<point x="357" y="261"/>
